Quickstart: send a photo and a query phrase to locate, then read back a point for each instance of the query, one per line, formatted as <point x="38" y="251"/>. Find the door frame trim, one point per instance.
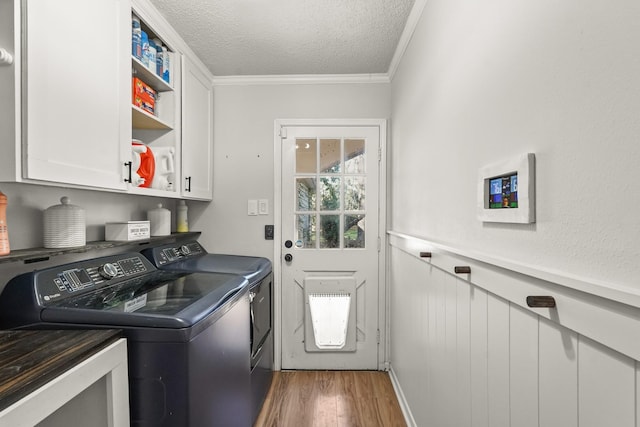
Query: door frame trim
<point x="383" y="292"/>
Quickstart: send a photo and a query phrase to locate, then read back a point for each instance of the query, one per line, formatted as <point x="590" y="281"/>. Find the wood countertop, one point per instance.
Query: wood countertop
<point x="30" y="359"/>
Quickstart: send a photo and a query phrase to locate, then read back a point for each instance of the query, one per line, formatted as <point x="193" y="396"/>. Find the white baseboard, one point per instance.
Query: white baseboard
<point x="406" y="411"/>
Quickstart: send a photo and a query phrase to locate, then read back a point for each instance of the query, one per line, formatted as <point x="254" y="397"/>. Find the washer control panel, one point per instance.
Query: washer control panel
<point x="167" y="254"/>
<point x="65" y="281"/>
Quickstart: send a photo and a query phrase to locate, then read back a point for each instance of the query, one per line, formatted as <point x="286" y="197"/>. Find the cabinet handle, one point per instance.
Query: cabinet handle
<point x="541" y="301"/>
<point x="129" y="165"/>
<point x="188" y="184"/>
<point x="462" y="269"/>
<point x="425" y="254"/>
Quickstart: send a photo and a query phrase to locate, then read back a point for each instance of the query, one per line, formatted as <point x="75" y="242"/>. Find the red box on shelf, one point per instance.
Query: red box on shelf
<point x="146" y="104"/>
<point x="143" y="96"/>
<point x="141" y="88"/>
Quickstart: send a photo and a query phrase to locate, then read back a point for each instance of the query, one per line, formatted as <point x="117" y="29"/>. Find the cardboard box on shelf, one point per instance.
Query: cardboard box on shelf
<point x="143" y="89"/>
<point x="144" y="103"/>
<point x="127" y="231"/>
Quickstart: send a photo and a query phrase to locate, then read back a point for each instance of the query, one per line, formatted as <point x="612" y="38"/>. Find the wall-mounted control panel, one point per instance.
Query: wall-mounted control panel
<point x="506" y="191"/>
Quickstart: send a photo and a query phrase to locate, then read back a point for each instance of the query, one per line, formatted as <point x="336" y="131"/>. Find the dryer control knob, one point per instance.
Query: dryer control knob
<point x="184" y="250"/>
<point x="108" y="271"/>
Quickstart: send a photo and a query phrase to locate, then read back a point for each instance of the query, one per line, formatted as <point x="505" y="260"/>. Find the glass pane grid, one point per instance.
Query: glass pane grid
<point x="330" y="190"/>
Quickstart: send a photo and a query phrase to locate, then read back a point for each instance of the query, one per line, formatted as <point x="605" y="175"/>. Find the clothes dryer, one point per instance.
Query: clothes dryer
<point x="191" y="256"/>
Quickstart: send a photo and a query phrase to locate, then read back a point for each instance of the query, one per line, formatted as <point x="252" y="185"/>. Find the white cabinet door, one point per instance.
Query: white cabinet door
<point x="197" y="132"/>
<point x="75" y="123"/>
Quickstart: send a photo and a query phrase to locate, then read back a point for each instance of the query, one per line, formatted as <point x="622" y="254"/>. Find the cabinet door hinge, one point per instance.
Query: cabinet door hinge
<point x="378" y="336"/>
<point x="379" y="244"/>
<point x="379" y="154"/>
<point x="283" y="132"/>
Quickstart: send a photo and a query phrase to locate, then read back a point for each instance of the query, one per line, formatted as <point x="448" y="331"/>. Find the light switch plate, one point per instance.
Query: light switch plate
<point x="252" y="207"/>
<point x="263" y="207"/>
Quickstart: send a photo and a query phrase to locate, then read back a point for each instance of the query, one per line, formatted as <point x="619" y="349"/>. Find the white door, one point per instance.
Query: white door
<point x="330" y="247"/>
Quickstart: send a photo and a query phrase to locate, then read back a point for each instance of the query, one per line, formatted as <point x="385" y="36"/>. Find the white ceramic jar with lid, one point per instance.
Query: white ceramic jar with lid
<point x="159" y="221"/>
<point x="64" y="225"/>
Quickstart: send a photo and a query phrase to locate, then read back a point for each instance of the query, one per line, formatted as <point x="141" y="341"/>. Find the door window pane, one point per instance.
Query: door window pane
<point x="329" y="194"/>
<point x="306" y="231"/>
<point x="330" y="156"/>
<point x="306" y="155"/>
<point x="354" y="193"/>
<point x="306" y="194"/>
<point x="354" y="231"/>
<point x="354" y="156"/>
<point x="329" y="231"/>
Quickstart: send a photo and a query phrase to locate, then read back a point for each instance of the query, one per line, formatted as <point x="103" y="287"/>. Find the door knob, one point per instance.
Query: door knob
<point x="288" y="244"/>
<point x="288" y="257"/>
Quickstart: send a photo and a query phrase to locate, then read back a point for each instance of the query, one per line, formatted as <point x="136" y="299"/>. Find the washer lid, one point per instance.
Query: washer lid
<point x="252" y="268"/>
<point x="169" y="300"/>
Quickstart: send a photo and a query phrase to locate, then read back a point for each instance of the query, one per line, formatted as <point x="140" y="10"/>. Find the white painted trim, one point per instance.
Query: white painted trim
<point x="405" y="38"/>
<point x="302" y="79"/>
<point x="382" y="123"/>
<point x="277" y="245"/>
<point x="402" y="400"/>
<point x="384" y="346"/>
<point x="611" y="319"/>
<point x="612" y="291"/>
<point x="111" y="362"/>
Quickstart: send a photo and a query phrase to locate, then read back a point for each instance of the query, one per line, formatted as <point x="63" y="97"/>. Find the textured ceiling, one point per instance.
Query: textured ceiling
<point x="282" y="37"/>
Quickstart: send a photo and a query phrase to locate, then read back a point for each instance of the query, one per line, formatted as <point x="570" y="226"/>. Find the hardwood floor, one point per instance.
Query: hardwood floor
<point x="331" y="398"/>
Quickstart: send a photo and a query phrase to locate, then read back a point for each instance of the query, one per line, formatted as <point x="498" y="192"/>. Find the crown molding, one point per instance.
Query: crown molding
<point x="405" y="38"/>
<point x="300" y="79"/>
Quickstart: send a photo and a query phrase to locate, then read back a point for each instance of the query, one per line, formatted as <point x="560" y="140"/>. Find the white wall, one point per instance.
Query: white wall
<point x="27" y="203"/>
<point x="243" y="152"/>
<point x="484" y="81"/>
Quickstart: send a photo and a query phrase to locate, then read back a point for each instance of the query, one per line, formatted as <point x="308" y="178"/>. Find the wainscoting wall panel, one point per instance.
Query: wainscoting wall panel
<point x="479" y="357"/>
<point x="467" y="350"/>
<point x="498" y="361"/>
<point x="606" y="386"/>
<point x="558" y="375"/>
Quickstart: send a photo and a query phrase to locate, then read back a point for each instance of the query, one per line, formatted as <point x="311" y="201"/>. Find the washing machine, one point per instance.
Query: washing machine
<point x="191" y="256"/>
<point x="187" y="333"/>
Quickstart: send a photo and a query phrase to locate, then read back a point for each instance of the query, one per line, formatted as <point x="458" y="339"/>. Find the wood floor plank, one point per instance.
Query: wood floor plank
<point x="329" y="399"/>
<point x="347" y="411"/>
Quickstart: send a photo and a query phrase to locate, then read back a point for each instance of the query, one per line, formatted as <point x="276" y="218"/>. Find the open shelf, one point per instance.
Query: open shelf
<point x="143" y="120"/>
<point x="32" y="255"/>
<point x="149" y="77"/>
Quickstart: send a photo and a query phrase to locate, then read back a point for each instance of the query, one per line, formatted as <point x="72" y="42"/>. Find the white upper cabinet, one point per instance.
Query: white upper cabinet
<point x="197" y="132"/>
<point x="70" y="111"/>
<point x="75" y="75"/>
